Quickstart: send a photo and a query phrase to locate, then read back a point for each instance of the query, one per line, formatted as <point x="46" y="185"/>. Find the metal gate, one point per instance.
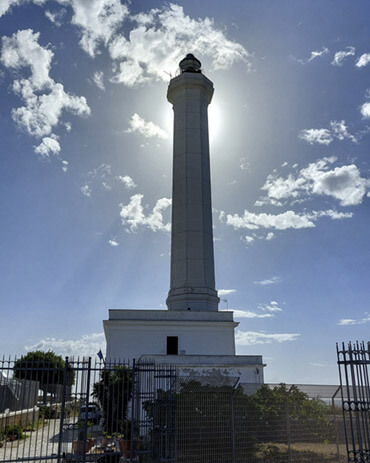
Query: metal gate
<point x="79" y="410"/>
<point x="354" y="370"/>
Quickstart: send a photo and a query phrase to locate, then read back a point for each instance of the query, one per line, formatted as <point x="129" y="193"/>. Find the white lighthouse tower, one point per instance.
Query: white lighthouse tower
<point x="192" y="334"/>
<point x="192" y="262"/>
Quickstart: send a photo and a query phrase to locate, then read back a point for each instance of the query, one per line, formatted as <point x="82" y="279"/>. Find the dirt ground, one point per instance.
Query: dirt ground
<point x="302" y="453"/>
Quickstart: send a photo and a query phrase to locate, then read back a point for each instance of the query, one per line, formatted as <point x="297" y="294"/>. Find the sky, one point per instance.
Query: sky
<point x="86" y="159"/>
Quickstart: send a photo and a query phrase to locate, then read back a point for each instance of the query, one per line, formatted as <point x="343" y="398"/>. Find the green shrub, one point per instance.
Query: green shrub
<point x="15" y="430"/>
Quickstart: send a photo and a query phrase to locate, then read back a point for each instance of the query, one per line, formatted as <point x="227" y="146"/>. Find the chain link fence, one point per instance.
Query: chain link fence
<point x="274" y="425"/>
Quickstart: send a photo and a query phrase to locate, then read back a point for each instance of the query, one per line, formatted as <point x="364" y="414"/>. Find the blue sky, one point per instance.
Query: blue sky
<point x="86" y="156"/>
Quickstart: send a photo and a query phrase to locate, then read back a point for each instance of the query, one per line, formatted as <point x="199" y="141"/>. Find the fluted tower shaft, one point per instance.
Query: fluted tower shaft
<point x="192" y="258"/>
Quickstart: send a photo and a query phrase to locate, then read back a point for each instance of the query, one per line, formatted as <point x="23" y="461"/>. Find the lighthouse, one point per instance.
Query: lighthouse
<point x="192" y="260"/>
<point x="193" y="334"/>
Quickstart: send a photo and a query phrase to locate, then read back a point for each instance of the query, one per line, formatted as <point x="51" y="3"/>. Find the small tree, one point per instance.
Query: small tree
<point x="113" y="392"/>
<point x="45" y="367"/>
<point x="274" y="406"/>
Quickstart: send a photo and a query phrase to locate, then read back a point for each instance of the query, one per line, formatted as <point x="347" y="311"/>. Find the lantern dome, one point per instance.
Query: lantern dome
<point x="190" y="64"/>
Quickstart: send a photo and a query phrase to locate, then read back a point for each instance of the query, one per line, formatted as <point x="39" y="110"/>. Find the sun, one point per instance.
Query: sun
<point x="214" y="122"/>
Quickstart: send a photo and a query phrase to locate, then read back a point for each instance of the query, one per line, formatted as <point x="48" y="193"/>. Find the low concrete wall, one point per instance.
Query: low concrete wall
<point x="18" y="394"/>
<point x="24" y="417"/>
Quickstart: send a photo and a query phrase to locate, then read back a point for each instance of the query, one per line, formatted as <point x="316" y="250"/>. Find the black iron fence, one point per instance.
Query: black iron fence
<point x="80" y="410"/>
<point x="354" y="370"/>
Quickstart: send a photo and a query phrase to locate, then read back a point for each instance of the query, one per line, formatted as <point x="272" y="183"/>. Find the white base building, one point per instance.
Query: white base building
<point x="200" y="344"/>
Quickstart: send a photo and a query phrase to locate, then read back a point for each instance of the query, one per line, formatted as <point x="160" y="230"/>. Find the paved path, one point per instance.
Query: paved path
<point x="43" y="442"/>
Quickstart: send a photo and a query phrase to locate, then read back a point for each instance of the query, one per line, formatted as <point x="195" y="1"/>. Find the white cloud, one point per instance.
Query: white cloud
<point x="98" y="79"/>
<point x="44" y="98"/>
<point x="113" y="242"/>
<point x="270" y="236"/>
<point x="65" y="165"/>
<point x="343" y="183"/>
<point x="127" y="181"/>
<point x="87" y="346"/>
<point x="5" y="5"/>
<point x="133" y="214"/>
<point x="100" y="176"/>
<point x="332" y="214"/>
<point x="283" y="221"/>
<point x="252" y="221"/>
<point x="318" y="53"/>
<point x="162" y="37"/>
<point x="158" y="40"/>
<point x="48" y="146"/>
<point x="23" y="50"/>
<point x="86" y="190"/>
<point x="314" y="54"/>
<point x="42" y="112"/>
<point x="338" y="130"/>
<point x="363" y="60"/>
<point x="311" y="136"/>
<point x="365" y="110"/>
<point x="249" y="314"/>
<point x="56" y="17"/>
<point x="351" y="321"/>
<point x="248" y="338"/>
<point x="347" y="321"/>
<point x="101" y="172"/>
<point x="98" y="21"/>
<point x="147" y="129"/>
<point x="266" y="200"/>
<point x="225" y="292"/>
<point x="340" y="56"/>
<point x="270" y="281"/>
<point x="273" y="306"/>
<point x="248" y="239"/>
<point x="244" y="164"/>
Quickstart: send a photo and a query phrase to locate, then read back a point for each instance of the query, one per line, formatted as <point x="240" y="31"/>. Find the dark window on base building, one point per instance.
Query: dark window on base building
<point x="172" y="345"/>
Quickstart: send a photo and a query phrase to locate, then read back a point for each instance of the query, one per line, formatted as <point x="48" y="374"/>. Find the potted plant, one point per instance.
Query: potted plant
<point x="91" y="442"/>
<point x="128" y="442"/>
<point x="106" y="439"/>
<point x="78" y="445"/>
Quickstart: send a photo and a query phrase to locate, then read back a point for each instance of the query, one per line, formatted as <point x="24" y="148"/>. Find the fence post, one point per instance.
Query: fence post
<point x="233" y="428"/>
<point x="62" y="411"/>
<point x="133" y="404"/>
<point x="287" y="423"/>
<point x="335" y="421"/>
<point x="86" y="410"/>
